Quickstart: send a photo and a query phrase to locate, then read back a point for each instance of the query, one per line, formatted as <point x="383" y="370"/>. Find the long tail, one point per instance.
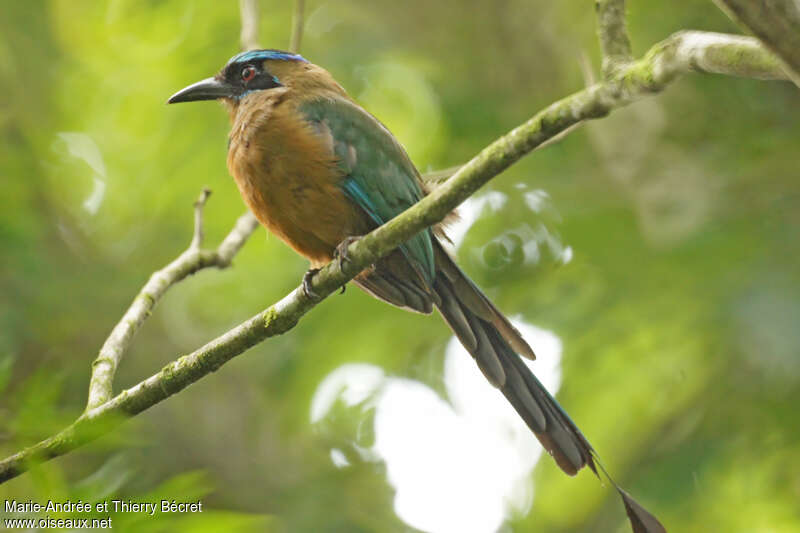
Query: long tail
<point x="495" y="343"/>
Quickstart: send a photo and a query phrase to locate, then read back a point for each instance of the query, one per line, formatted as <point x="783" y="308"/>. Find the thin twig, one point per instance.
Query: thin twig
<point x="245" y="225"/>
<point x="248" y="10"/>
<point x="190" y="261"/>
<point x="199" y="204"/>
<point x="297" y="27"/>
<point x="614" y="42"/>
<point x="681" y="53"/>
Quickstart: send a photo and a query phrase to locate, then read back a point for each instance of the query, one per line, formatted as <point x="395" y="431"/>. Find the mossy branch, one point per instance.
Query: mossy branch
<point x="776" y="23"/>
<point x="681" y="53"/>
<point x="193" y="259"/>
<point x="190" y="261"/>
<point x="614" y="42"/>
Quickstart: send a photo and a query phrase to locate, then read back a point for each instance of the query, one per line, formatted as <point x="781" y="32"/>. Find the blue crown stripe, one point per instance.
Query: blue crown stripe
<point x="264" y="55"/>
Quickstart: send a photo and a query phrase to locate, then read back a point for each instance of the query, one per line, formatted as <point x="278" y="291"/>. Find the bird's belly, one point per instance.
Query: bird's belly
<point x="310" y="215"/>
<point x="289" y="177"/>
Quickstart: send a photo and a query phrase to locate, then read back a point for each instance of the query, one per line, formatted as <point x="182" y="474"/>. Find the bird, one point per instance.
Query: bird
<point x="318" y="171"/>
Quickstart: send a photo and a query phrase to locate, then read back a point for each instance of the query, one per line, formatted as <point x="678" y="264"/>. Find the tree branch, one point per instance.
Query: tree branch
<point x="199" y="204"/>
<point x="614" y="43"/>
<point x="681" y="53"/>
<point x="297" y="27"/>
<point x="248" y="11"/>
<point x="245" y="225"/>
<point x="190" y="261"/>
<point x="776" y="23"/>
<point x="715" y="53"/>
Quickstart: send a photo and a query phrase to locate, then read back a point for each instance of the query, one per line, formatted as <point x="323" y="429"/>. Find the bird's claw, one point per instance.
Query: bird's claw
<point x="307" y="290"/>
<point x="341" y="252"/>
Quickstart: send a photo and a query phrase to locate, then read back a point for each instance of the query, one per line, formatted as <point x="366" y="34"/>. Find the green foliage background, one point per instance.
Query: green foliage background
<point x="679" y="311"/>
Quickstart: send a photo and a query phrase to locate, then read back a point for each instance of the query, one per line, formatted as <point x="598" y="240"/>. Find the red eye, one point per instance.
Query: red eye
<point x="248" y="73"/>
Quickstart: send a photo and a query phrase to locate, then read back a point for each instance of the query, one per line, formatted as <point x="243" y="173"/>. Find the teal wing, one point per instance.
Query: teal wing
<point x="379" y="176"/>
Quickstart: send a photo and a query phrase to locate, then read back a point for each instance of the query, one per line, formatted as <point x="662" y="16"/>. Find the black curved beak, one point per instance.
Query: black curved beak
<point x="207" y="89"/>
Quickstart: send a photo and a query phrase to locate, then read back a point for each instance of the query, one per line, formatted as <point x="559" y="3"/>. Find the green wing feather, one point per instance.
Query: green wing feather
<point x="379" y="176"/>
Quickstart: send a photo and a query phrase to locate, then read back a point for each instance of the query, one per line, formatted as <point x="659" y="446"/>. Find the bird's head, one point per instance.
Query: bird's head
<point x="246" y="73"/>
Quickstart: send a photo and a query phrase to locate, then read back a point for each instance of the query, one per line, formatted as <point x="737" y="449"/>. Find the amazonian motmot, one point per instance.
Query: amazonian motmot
<point x="318" y="170"/>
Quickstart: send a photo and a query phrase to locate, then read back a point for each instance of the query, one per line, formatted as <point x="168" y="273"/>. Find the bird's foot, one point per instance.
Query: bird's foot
<point x="341" y="252"/>
<point x="307" y="290"/>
